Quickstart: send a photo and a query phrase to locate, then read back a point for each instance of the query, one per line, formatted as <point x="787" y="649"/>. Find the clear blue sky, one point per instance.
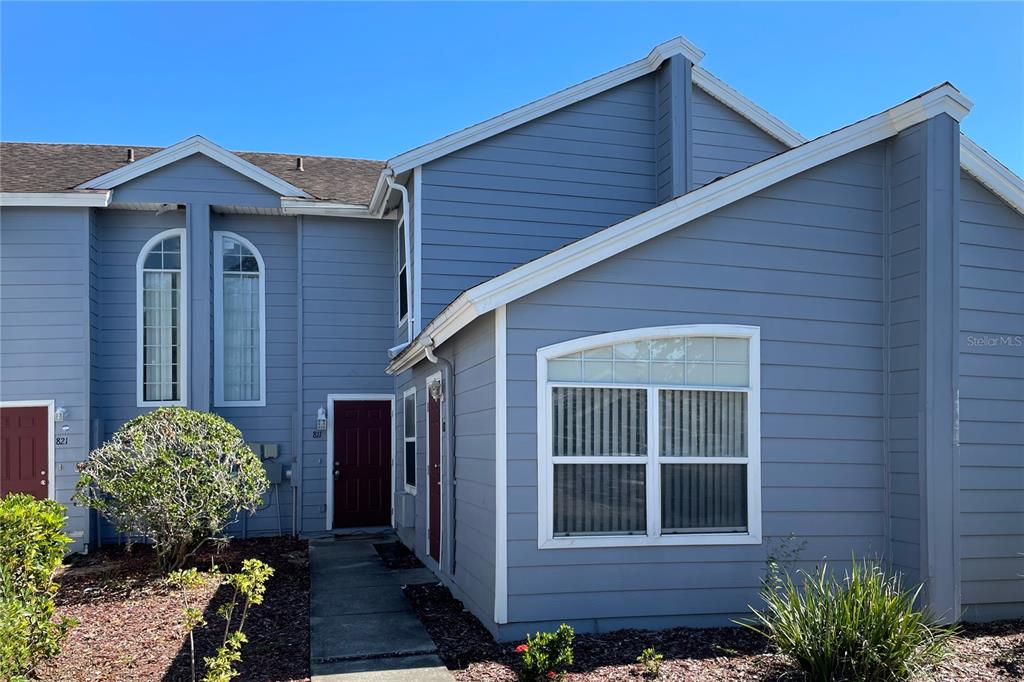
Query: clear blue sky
<point x="372" y="80"/>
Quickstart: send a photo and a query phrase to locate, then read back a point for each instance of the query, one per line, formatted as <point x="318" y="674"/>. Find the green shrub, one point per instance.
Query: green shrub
<point x="174" y="476"/>
<point x="861" y="627"/>
<point x="546" y="655"/>
<point x="651" y="661"/>
<point x="32" y="545"/>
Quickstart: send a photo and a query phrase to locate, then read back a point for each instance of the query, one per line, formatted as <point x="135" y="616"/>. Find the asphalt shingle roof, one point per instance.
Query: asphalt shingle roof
<point x="44" y="167"/>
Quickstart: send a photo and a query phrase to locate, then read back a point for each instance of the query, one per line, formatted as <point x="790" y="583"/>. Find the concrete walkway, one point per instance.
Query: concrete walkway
<point x="361" y="627"/>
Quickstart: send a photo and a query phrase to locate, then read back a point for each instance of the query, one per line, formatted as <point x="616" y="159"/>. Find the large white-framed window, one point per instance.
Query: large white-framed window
<point x="650" y="437"/>
<point x="240" y="322"/>
<point x="403" y="283"/>
<point x="409" y="439"/>
<point x="161" y="322"/>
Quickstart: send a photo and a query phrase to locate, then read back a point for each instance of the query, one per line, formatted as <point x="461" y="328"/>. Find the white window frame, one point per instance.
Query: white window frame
<point x="218" y="322"/>
<point x="183" y="337"/>
<point x="403" y="277"/>
<point x="406" y="438"/>
<point x="545" y="461"/>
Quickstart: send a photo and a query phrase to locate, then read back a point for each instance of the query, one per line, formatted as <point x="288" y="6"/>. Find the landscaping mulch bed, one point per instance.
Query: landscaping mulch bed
<point x="397" y="556"/>
<point x="129" y="619"/>
<point x="990" y="651"/>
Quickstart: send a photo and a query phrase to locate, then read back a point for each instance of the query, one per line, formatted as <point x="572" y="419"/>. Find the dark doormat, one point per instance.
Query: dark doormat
<point x="396" y="556"/>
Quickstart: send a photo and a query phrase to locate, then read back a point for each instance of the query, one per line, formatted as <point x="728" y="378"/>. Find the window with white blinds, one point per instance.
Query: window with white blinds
<point x="409" y="439"/>
<point x="160" y="320"/>
<point x="239" y="322"/>
<point x="651" y="438"/>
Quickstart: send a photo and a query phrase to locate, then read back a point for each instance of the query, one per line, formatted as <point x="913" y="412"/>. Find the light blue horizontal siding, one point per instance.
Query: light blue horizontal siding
<point x="991" y="404"/>
<point x="806" y="267"/>
<point x="196" y="179"/>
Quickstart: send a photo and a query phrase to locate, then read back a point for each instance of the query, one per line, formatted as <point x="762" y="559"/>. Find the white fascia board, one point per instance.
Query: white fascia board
<point x="66" y="199"/>
<point x="984" y="168"/>
<point x="196" y="144"/>
<point x="539" y="273"/>
<point x="739" y="103"/>
<point x="528" y="112"/>
<point x="332" y="209"/>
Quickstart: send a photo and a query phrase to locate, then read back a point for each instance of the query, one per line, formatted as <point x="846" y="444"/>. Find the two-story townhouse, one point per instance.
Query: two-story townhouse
<point x="593" y="358"/>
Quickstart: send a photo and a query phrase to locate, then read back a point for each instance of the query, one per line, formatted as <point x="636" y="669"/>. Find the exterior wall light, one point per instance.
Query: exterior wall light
<point x="321" y="419"/>
<point x="60" y="414"/>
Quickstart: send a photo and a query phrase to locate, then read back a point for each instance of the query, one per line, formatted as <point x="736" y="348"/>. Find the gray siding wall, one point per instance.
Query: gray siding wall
<point x="725" y="142"/>
<point x="196" y="179"/>
<point x="45" y="349"/>
<point x="802" y="260"/>
<point x="904" y="267"/>
<point x="348" y="323"/>
<point x="521" y="194"/>
<point x="472" y="354"/>
<point x="991" y="404"/>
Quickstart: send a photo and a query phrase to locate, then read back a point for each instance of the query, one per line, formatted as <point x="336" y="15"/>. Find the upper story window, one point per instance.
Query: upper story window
<point x="403" y="285"/>
<point x="409" y="439"/>
<point x="650" y="436"/>
<point x="161" y="318"/>
<point x="239" y="322"/>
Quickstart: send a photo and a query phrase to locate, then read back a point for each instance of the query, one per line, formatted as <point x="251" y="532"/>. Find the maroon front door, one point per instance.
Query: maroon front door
<point x="24" y="445"/>
<point x="434" y="476"/>
<point x="362" y="463"/>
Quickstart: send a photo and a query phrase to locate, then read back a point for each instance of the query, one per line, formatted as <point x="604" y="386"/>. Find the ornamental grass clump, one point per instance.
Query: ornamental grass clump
<point x="546" y="655"/>
<point x="175" y="477"/>
<point x="32" y="544"/>
<point x="863" y="626"/>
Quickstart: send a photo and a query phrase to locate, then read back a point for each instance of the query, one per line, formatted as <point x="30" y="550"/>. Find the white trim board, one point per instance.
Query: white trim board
<point x="329" y="460"/>
<point x="329" y="209"/>
<point x="196" y="144"/>
<point x="528" y="112"/>
<point x="63" y="199"/>
<point x="51" y="455"/>
<point x="500" y="466"/>
<point x="218" y="322"/>
<point x="525" y="279"/>
<point x="984" y="168"/>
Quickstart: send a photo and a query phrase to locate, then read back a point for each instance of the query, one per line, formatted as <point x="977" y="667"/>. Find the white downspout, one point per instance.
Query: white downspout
<point x="407" y="230"/>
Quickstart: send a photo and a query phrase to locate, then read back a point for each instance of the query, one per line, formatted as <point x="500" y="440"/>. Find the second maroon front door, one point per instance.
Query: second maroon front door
<point x="434" y="476"/>
<point x="362" y="463"/>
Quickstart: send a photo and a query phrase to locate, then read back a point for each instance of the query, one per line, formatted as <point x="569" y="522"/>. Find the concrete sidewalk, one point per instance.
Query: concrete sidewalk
<point x="361" y="628"/>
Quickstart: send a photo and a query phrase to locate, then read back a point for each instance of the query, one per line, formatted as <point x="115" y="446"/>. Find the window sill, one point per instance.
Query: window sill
<point x="241" y="403"/>
<point x="647" y="541"/>
<point x="410" y="489"/>
<point x="161" y="403"/>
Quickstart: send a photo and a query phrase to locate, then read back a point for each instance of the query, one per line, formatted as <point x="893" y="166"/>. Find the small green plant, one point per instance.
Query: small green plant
<point x="651" y="661"/>
<point x="862" y="626"/>
<point x="546" y="655"/>
<point x="32" y="544"/>
<point x="174" y="476"/>
<point x="783" y="552"/>
<point x="250" y="587"/>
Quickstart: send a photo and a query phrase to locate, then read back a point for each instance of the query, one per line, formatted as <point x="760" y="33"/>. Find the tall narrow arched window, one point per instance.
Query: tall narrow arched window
<point x="161" y="319"/>
<point x="239" y="322"/>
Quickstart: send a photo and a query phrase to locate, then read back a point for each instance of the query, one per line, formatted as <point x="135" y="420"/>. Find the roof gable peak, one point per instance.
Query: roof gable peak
<point x="196" y="144"/>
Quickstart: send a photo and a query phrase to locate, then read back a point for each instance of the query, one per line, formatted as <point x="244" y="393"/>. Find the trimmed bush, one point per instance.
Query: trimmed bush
<point x="174" y="476"/>
<point x="32" y="544"/>
<point x="546" y="655"/>
<point x="862" y="626"/>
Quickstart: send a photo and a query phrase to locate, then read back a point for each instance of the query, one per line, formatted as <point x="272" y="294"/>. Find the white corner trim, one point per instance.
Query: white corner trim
<point x="615" y="239"/>
<point x="187" y="147"/>
<point x="528" y="112"/>
<point x="735" y="100"/>
<point x="67" y="199"/>
<point x="984" y="168"/>
<point x="330" y="209"/>
<point x="51" y="455"/>
<point x="218" y="323"/>
<point x="183" y="308"/>
<point x="500" y="466"/>
<point x="654" y="536"/>
<point x="329" y="460"/>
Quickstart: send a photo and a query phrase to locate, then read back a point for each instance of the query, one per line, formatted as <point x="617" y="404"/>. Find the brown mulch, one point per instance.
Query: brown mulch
<point x="989" y="651"/>
<point x="397" y="556"/>
<point x="129" y="619"/>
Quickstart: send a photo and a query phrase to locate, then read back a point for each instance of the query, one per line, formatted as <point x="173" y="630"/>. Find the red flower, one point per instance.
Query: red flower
<point x="551" y="675"/>
<point x="521" y="649"/>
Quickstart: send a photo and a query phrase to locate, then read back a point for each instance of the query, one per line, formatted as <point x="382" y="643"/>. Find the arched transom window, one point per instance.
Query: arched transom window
<point x="650" y="436"/>
<point x="161" y="319"/>
<point x="240" y="324"/>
